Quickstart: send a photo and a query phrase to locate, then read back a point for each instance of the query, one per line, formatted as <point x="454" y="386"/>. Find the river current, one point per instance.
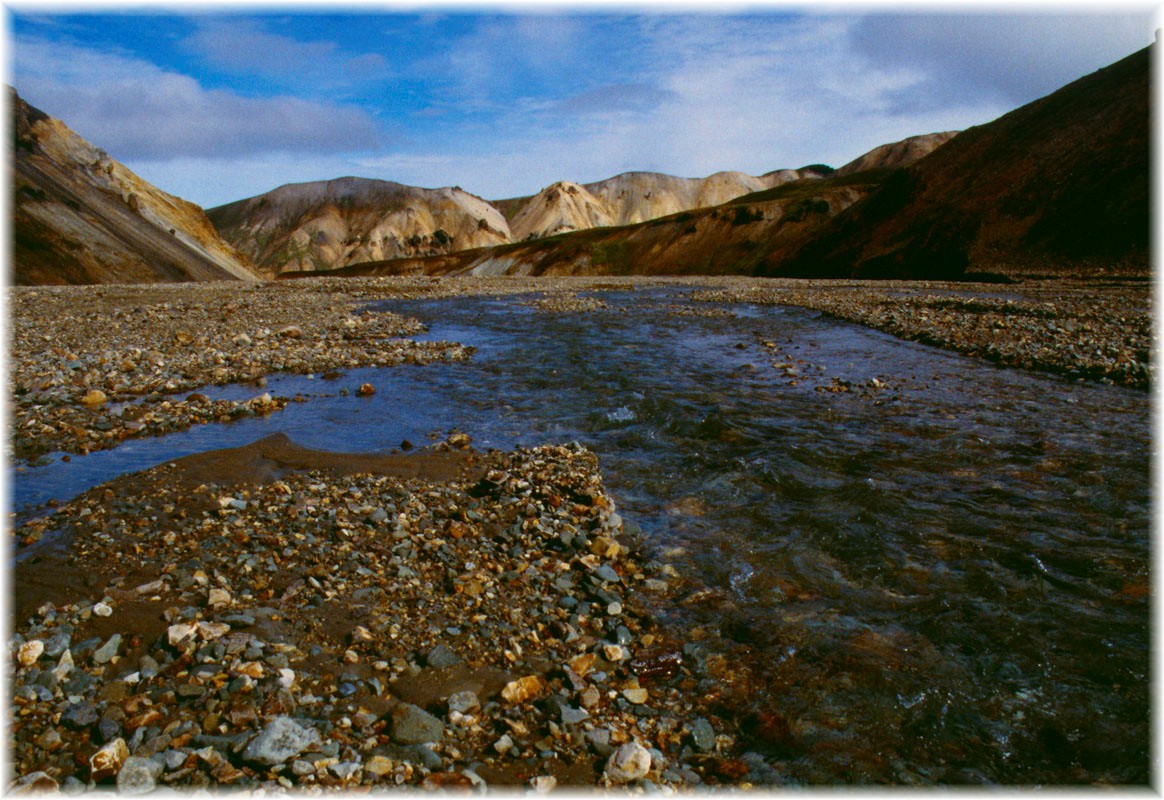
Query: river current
<point x="938" y="568"/>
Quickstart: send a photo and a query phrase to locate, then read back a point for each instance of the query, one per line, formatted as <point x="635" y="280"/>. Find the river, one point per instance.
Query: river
<point x="938" y="568"/>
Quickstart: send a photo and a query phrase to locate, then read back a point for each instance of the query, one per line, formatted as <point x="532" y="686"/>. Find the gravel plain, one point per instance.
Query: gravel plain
<point x="278" y="618"/>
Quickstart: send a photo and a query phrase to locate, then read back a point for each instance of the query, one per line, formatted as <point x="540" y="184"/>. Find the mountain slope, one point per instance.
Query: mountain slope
<point x="79" y="217"/>
<point x="1061" y="185"/>
<point x="325" y="224"/>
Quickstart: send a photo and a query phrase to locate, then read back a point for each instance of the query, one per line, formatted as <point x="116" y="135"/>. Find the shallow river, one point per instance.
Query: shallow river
<point x="940" y="572"/>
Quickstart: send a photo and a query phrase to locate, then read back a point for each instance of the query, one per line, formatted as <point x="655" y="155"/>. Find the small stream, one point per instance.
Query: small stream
<point x="939" y="568"/>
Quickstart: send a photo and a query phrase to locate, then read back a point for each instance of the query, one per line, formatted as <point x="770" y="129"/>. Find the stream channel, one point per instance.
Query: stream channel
<point x="938" y="568"/>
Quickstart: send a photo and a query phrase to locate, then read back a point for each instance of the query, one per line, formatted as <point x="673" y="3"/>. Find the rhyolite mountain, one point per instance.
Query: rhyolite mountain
<point x="79" y="217"/>
<point x="324" y="225"/>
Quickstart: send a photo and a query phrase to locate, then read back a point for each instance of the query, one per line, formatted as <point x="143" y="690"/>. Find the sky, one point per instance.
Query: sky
<point x="217" y="103"/>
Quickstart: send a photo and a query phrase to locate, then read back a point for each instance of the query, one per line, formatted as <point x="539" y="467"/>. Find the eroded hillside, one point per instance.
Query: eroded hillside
<point x="79" y="217"/>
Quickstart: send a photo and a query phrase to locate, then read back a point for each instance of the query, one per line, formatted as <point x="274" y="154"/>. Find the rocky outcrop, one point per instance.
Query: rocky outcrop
<point x="79" y="217"/>
<point x="306" y="227"/>
<point x="559" y="208"/>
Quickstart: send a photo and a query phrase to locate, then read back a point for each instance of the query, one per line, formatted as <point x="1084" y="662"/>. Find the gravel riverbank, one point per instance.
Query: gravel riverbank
<point x="447" y="618"/>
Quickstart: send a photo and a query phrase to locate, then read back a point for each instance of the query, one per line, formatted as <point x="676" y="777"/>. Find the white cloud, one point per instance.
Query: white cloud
<point x="136" y="110"/>
<point x="1014" y="56"/>
<point x="243" y="47"/>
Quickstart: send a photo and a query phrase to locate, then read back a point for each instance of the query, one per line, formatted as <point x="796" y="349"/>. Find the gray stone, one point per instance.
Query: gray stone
<point x="606" y="574"/>
<point x="464" y="701"/>
<point x="599" y="740"/>
<point x="572" y="716"/>
<point x="282" y="739"/>
<point x="430" y="758"/>
<point x="702" y="734"/>
<point x="105" y="653"/>
<point x="239" y="620"/>
<point x="138" y="775"/>
<point x="57" y="643"/>
<point x="79" y="716"/>
<point x="174" y="759"/>
<point x="72" y="785"/>
<point x="346" y="770"/>
<point x="148" y="667"/>
<point x="413" y="725"/>
<point x="441" y="656"/>
<point x="108" y="729"/>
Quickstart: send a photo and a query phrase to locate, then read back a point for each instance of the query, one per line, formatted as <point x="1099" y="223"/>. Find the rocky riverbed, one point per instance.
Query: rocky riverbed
<point x="277" y="617"/>
<point x="93" y="366"/>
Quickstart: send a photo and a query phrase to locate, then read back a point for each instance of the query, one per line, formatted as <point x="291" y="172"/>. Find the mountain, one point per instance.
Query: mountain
<point x="897" y="155"/>
<point x="1060" y="185"/>
<point x="79" y="217"/>
<point x="325" y="224"/>
<point x="629" y="198"/>
<point x="329" y="224"/>
<point x="734" y="238"/>
<point x="737" y="237"/>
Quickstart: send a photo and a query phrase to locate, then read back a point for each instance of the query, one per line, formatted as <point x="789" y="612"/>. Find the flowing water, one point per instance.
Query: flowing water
<point x="938" y="568"/>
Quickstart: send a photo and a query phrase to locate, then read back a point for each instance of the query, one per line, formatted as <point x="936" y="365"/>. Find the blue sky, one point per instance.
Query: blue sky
<point x="216" y="104"/>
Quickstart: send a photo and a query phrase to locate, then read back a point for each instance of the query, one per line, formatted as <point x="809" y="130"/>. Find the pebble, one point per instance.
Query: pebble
<point x="108" y="651"/>
<point x="138" y="776"/>
<point x="702" y="735"/>
<point x="30" y="652"/>
<point x="441" y="656"/>
<point x="280" y="740"/>
<point x="413" y="725"/>
<point x="635" y="695"/>
<point x="628" y="763"/>
<point x="107" y="761"/>
<point x="523" y="689"/>
<point x="463" y="701"/>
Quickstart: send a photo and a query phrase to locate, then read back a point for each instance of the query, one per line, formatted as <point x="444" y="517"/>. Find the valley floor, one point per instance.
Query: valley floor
<point x="276" y="616"/>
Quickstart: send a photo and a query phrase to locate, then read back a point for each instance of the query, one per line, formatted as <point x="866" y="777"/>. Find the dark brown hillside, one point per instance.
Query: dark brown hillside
<point x="1059" y="185"/>
<point x="79" y="217"/>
